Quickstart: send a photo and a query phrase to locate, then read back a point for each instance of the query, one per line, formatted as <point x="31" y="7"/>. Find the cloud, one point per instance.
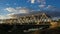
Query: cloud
<point x="5" y="17"/>
<point x="52" y="8"/>
<point x="38" y="1"/>
<point x="41" y="6"/>
<point x="14" y="11"/>
<point x="10" y="9"/>
<point x="32" y="1"/>
<point x="11" y="15"/>
<point x="49" y="6"/>
<point x="8" y="16"/>
<point x="17" y="10"/>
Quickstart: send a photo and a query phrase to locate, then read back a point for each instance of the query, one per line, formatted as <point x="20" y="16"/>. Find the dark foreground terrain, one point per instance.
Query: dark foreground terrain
<point x="4" y="29"/>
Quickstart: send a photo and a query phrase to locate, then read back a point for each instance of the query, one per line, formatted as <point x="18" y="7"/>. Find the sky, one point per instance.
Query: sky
<point x="8" y="7"/>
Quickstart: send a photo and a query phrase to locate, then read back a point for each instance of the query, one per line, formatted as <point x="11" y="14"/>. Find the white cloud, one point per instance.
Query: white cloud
<point x="43" y="2"/>
<point x="5" y="17"/>
<point x="10" y="14"/>
<point x="49" y="6"/>
<point x="14" y="11"/>
<point x="38" y="1"/>
<point x="53" y="8"/>
<point x="10" y="9"/>
<point x="41" y="6"/>
<point x="32" y="1"/>
<point x="17" y="10"/>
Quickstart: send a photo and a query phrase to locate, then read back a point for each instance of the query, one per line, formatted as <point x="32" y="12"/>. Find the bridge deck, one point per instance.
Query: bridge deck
<point x="5" y="27"/>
